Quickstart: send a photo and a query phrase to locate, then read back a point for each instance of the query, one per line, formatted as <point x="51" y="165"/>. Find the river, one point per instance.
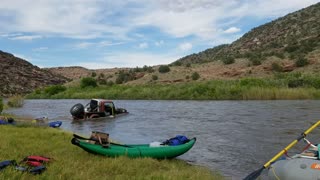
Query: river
<point x="233" y="137"/>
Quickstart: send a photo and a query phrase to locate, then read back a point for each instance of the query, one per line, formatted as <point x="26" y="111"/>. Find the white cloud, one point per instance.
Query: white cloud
<point x="129" y="60"/>
<point x="185" y="46"/>
<point x="159" y="43"/>
<point x="72" y="18"/>
<point x="26" y="38"/>
<point x="40" y="49"/>
<point x="83" y="19"/>
<point x="84" y="45"/>
<point x="143" y="45"/>
<point x="232" y="30"/>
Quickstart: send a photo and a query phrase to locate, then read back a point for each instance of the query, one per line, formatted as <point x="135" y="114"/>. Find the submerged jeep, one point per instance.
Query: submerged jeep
<point x="96" y="108"/>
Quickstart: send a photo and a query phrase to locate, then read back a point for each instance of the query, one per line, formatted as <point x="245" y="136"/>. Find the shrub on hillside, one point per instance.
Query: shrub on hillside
<point x="88" y="82"/>
<point x="276" y="67"/>
<point x="301" y="61"/>
<point x="15" y="101"/>
<point x="93" y="74"/>
<point x="188" y="65"/>
<point x="101" y="76"/>
<point x="195" y="76"/>
<point x="164" y="69"/>
<point x="102" y="81"/>
<point x="154" y="77"/>
<point x="294" y="83"/>
<point x="177" y="63"/>
<point x="110" y="83"/>
<point x="228" y="60"/>
<point x="55" y="89"/>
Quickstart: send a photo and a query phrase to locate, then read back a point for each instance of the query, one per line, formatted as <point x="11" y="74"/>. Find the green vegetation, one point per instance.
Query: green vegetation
<point x="276" y="67"/>
<point x="55" y="89"/>
<point x="15" y="101"/>
<point x="301" y="61"/>
<point x="93" y="74"/>
<point x="124" y="76"/>
<point x="164" y="69"/>
<point x="228" y="60"/>
<point x="154" y="77"/>
<point x="71" y="162"/>
<point x="195" y="76"/>
<point x="88" y="82"/>
<point x="281" y="86"/>
<point x="1" y="105"/>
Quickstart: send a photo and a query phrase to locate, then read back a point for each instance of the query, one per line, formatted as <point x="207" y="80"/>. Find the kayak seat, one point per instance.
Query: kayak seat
<point x="100" y="138"/>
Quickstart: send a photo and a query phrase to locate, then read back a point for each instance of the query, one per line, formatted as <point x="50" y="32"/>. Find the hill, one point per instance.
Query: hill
<point x="289" y="43"/>
<point x="293" y="36"/>
<point x="20" y="77"/>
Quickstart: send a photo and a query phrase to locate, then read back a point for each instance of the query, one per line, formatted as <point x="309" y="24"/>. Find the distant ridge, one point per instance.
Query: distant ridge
<point x="296" y="34"/>
<point x="18" y="76"/>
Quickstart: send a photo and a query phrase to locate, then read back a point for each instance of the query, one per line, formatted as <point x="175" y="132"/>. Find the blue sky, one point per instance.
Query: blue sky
<point x="105" y="34"/>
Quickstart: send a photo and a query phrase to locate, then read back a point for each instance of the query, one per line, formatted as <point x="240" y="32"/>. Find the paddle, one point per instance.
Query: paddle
<point x="256" y="174"/>
<point x="80" y="137"/>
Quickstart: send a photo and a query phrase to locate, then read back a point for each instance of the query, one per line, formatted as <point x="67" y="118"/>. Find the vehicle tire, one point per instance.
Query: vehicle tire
<point x="77" y="111"/>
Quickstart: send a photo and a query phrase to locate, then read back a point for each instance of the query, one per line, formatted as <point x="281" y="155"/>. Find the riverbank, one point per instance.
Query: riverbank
<point x="281" y="86"/>
<point x="72" y="162"/>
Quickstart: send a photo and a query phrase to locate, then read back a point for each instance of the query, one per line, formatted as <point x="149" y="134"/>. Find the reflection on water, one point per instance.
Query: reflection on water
<point x="235" y="137"/>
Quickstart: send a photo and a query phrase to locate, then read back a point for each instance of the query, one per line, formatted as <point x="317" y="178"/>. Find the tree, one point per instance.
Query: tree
<point x="195" y="76"/>
<point x="154" y="77"/>
<point x="164" y="69"/>
<point x="87" y="82"/>
<point x="301" y="61"/>
<point x="93" y="74"/>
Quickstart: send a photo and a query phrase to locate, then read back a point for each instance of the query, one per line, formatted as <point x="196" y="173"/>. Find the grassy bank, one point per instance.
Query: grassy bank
<point x="281" y="86"/>
<point x="71" y="162"/>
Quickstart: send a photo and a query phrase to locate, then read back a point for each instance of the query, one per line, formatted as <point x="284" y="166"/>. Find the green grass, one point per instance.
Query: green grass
<point x="281" y="86"/>
<point x="15" y="101"/>
<point x="71" y="162"/>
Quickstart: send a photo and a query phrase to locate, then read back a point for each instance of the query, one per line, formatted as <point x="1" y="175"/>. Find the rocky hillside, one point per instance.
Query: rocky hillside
<point x="19" y="76"/>
<point x="290" y="43"/>
<point x="290" y="37"/>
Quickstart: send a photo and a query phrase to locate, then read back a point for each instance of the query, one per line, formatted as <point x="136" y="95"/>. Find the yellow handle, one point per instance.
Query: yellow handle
<point x="291" y="144"/>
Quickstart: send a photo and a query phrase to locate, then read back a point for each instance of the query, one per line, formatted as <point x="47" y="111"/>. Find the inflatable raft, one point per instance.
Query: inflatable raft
<point x="134" y="150"/>
<point x="295" y="169"/>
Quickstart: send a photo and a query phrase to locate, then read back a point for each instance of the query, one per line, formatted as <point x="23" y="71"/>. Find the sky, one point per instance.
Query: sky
<point x="100" y="34"/>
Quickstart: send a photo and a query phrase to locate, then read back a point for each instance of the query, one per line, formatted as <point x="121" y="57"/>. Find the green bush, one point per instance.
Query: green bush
<point x="294" y="83"/>
<point x="195" y="76"/>
<point x="301" y="61"/>
<point x="110" y="83"/>
<point x="87" y="82"/>
<point x="228" y="60"/>
<point x="164" y="69"/>
<point x="55" y="89"/>
<point x="102" y="81"/>
<point x="101" y="75"/>
<point x="188" y="65"/>
<point x="177" y="63"/>
<point x="15" y="101"/>
<point x="154" y="77"/>
<point x="276" y="67"/>
<point x="1" y="105"/>
<point x="93" y="74"/>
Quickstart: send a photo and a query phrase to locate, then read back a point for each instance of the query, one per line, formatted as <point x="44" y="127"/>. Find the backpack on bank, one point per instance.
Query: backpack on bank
<point x="179" y="139"/>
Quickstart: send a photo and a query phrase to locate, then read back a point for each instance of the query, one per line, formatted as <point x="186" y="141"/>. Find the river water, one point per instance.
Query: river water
<point x="233" y="137"/>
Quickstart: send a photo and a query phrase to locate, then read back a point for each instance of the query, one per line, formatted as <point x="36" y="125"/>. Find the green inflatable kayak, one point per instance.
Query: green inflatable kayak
<point x="134" y="150"/>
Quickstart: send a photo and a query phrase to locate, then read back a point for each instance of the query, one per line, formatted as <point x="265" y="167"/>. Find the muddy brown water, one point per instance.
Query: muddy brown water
<point x="233" y="137"/>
